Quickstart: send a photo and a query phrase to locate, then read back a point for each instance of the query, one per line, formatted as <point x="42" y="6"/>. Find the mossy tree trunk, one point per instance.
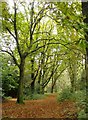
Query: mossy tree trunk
<point x="20" y="96"/>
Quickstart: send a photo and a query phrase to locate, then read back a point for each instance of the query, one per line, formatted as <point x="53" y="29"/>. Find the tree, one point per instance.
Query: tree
<point x="45" y="36"/>
<point x="85" y="14"/>
<point x="21" y="29"/>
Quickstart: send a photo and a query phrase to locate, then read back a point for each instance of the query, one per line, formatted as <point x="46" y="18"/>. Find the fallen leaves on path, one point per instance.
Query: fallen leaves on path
<point x="44" y="108"/>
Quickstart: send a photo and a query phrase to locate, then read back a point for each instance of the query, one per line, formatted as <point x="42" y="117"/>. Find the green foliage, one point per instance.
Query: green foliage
<point x="82" y="43"/>
<point x="82" y="81"/>
<point x="65" y="94"/>
<point x="38" y="96"/>
<point x="9" y="77"/>
<point x="61" y="48"/>
<point x="81" y="115"/>
<point x="1" y="94"/>
<point x="35" y="96"/>
<point x="80" y="98"/>
<point x="7" y="98"/>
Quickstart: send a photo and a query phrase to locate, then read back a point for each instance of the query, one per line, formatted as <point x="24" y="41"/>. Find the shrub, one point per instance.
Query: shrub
<point x="80" y="98"/>
<point x="35" y="96"/>
<point x="81" y="115"/>
<point x="38" y="96"/>
<point x="64" y="94"/>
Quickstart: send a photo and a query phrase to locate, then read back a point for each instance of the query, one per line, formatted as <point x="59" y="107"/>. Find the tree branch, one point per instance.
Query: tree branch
<point x="58" y="76"/>
<point x="10" y="33"/>
<point x="52" y="43"/>
<point x="31" y="22"/>
<point x="15" y="30"/>
<point x="15" y="60"/>
<point x="53" y="71"/>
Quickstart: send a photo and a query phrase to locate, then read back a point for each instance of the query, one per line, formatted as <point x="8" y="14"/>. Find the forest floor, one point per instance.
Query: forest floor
<point x="44" y="108"/>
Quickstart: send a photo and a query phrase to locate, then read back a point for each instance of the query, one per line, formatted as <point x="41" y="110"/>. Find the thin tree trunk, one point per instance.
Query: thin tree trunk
<point x="52" y="87"/>
<point x="20" y="96"/>
<point x="86" y="67"/>
<point x="39" y="80"/>
<point x="38" y="89"/>
<point x="72" y="85"/>
<point x="32" y="87"/>
<point x="32" y="77"/>
<point x="42" y="87"/>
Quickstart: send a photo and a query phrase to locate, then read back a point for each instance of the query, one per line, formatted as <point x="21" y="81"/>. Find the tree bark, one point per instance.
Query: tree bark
<point x="39" y="80"/>
<point x="32" y="87"/>
<point x="20" y="96"/>
<point x="52" y="86"/>
<point x="85" y="13"/>
<point x="32" y="77"/>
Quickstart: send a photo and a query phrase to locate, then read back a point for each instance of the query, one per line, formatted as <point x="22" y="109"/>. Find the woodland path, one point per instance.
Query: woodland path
<point x="44" y="108"/>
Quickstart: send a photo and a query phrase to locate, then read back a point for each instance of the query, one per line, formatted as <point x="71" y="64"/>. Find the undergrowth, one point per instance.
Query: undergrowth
<point x="78" y="96"/>
<point x="34" y="96"/>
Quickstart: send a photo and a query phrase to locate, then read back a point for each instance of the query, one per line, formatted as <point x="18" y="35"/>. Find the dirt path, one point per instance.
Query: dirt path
<point x="44" y="108"/>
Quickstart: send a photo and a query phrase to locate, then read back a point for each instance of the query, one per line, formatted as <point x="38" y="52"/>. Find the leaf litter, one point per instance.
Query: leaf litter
<point x="45" y="108"/>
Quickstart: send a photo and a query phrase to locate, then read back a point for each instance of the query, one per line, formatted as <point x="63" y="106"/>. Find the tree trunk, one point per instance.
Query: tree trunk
<point x="32" y="77"/>
<point x="43" y="71"/>
<point x="72" y="74"/>
<point x="32" y="87"/>
<point x="52" y="87"/>
<point x="42" y="77"/>
<point x="85" y="13"/>
<point x="42" y="90"/>
<point x="86" y="67"/>
<point x="21" y="80"/>
<point x="73" y="85"/>
<point x="38" y="89"/>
